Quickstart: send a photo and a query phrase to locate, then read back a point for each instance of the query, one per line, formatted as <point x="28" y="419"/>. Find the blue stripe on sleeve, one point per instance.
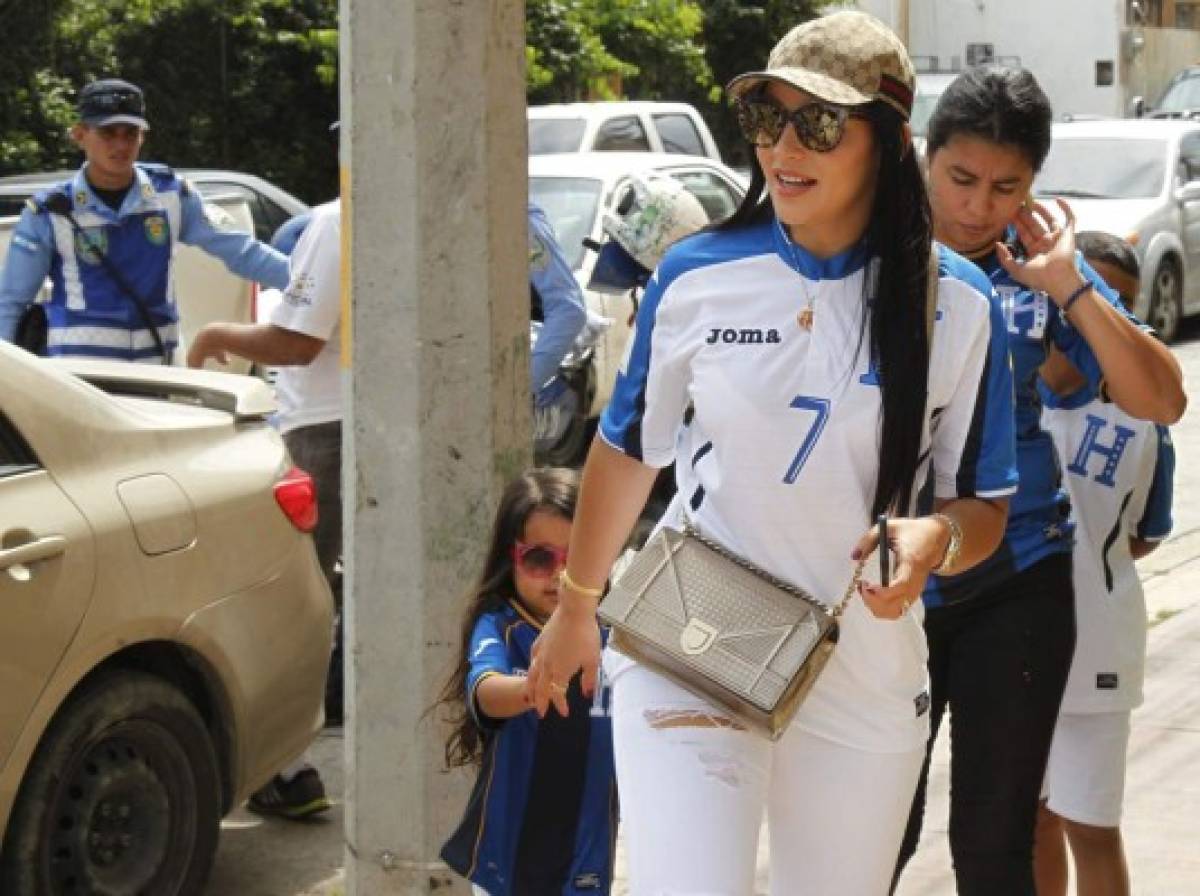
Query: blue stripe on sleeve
<point x="988" y="466"/>
<point x="1156" y="521"/>
<point x="488" y="656"/>
<point x="1071" y="342"/>
<point x="621" y="422"/>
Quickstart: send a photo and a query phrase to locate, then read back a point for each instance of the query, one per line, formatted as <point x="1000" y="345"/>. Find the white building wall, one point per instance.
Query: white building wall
<point x="1060" y="41"/>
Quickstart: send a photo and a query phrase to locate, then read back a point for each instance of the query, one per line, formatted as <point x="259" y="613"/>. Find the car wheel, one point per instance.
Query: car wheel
<point x="122" y="797"/>
<point x="1165" y="298"/>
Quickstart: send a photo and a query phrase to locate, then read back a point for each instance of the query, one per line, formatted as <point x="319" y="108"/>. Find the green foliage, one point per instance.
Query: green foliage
<point x="243" y="84"/>
<point x="654" y="49"/>
<point x="252" y="84"/>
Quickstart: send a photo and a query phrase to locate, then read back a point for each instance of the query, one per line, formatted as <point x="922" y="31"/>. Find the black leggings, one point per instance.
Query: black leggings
<point x="1000" y="662"/>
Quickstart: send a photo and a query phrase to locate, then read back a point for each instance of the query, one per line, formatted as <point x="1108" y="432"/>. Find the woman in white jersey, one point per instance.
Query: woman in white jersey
<point x="782" y="360"/>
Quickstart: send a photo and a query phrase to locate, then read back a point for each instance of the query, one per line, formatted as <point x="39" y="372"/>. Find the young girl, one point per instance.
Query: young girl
<point x="541" y="820"/>
<point x="783" y="361"/>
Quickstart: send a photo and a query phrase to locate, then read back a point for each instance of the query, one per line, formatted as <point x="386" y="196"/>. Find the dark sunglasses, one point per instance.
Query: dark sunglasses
<point x="539" y="560"/>
<point x="819" y="125"/>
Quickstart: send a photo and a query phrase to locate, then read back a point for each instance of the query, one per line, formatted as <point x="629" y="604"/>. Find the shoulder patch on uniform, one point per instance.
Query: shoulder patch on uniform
<point x="161" y="177"/>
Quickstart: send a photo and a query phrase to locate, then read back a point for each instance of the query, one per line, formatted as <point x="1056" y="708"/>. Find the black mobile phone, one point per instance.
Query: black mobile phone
<point x="884" y="551"/>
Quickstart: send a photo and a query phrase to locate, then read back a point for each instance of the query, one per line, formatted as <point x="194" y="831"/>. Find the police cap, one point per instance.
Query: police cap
<point x="112" y="101"/>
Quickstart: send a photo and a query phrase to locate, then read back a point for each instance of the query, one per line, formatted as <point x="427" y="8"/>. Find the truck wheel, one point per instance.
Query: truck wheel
<point x="1165" y="300"/>
<point x="122" y="797"/>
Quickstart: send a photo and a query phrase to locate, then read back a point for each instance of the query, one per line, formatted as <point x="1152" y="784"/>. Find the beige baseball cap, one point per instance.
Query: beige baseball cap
<point x="848" y="58"/>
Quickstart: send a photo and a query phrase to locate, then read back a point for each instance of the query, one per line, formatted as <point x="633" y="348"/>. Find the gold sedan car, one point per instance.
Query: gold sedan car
<point x="164" y="626"/>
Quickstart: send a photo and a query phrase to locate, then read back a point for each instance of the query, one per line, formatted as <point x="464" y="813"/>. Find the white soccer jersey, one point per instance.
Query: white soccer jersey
<point x="1118" y="471"/>
<point x="311" y="394"/>
<point x="775" y="432"/>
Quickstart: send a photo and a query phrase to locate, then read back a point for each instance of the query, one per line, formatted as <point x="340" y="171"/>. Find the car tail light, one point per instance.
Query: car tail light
<point x="296" y="494"/>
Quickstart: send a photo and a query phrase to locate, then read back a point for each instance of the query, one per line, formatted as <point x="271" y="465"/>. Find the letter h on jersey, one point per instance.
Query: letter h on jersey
<point x="1111" y="454"/>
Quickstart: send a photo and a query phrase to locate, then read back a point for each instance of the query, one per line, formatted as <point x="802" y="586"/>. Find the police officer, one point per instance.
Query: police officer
<point x="106" y="239"/>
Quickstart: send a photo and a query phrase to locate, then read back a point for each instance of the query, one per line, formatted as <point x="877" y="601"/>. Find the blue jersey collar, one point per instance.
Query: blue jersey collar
<point x="802" y="261"/>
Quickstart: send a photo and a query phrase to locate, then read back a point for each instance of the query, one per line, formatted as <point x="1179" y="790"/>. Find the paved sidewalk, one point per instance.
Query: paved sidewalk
<point x="277" y="858"/>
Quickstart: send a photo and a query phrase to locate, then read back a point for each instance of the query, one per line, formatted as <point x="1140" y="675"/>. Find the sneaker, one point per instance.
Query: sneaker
<point x="300" y="797"/>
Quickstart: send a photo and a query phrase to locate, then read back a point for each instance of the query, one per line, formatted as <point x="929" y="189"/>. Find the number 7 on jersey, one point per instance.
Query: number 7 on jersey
<point x="819" y="406"/>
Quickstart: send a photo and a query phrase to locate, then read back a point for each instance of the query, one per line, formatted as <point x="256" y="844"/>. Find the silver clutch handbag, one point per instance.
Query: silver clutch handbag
<point x="722" y="628"/>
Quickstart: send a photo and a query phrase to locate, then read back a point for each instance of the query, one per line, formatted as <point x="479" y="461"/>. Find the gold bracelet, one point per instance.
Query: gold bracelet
<point x="953" y="544"/>
<point x="565" y="581"/>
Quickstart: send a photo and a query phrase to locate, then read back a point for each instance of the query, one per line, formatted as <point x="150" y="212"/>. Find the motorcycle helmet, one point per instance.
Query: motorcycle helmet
<point x="657" y="212"/>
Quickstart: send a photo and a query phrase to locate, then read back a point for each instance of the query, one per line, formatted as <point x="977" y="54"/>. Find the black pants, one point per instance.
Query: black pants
<point x="317" y="450"/>
<point x="1000" y="663"/>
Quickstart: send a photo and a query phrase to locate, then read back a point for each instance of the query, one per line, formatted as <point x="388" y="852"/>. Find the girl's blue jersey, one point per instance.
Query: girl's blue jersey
<point x="542" y="817"/>
<point x="1039" y="513"/>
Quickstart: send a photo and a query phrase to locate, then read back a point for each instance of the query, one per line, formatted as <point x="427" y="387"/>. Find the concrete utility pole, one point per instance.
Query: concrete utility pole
<point x="437" y="396"/>
<point x="902" y="16"/>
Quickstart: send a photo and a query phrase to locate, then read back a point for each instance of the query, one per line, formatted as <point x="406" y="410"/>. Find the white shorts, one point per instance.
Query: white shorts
<point x="1085" y="775"/>
<point x="693" y="797"/>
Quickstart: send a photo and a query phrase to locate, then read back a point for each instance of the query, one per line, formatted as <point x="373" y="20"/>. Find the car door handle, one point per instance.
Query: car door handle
<point x="14" y="559"/>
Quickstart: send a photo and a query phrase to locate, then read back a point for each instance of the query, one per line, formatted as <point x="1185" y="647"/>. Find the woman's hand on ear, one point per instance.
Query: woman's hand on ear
<point x="1049" y="264"/>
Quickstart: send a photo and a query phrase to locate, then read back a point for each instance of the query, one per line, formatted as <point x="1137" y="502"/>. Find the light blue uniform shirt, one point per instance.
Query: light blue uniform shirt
<point x="562" y="299"/>
<point x="88" y="313"/>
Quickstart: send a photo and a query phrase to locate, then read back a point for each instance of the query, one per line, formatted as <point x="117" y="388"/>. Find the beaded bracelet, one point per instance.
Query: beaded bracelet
<point x="1074" y="297"/>
<point x="567" y="582"/>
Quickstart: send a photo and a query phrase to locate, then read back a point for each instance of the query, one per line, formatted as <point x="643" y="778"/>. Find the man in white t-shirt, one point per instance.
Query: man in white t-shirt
<point x="303" y="340"/>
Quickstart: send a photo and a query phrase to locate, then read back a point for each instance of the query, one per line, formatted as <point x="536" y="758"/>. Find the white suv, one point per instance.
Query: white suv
<point x="620" y="127"/>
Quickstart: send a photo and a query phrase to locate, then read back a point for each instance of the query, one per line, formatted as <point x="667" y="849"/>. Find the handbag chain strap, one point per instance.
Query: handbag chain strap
<point x="835" y="611"/>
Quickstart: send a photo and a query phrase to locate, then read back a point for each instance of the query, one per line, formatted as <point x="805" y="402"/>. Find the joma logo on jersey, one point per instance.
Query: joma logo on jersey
<point x="744" y="336"/>
<point x="1026" y="313"/>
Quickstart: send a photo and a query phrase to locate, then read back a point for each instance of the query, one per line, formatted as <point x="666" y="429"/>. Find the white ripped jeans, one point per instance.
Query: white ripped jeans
<point x="693" y="789"/>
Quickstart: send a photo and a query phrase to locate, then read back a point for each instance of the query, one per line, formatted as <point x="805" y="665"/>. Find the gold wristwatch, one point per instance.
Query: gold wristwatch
<point x="952" y="547"/>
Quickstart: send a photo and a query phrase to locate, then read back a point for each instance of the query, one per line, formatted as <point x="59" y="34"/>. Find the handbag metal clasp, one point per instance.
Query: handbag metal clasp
<point x="696" y="637"/>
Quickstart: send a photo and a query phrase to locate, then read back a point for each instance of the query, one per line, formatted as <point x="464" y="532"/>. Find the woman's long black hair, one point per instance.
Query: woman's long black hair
<point x="898" y="235"/>
<point x="552" y="489"/>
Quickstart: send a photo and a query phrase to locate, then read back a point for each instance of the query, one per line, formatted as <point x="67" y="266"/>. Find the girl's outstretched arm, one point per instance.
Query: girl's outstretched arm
<point x="611" y="496"/>
<point x="502" y="696"/>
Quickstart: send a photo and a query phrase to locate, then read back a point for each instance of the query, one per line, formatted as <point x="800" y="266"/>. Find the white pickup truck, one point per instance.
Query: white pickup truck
<point x="204" y="289"/>
<point x="626" y="126"/>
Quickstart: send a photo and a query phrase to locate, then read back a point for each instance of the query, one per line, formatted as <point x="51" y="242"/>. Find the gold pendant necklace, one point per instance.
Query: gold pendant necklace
<point x="805" y="317"/>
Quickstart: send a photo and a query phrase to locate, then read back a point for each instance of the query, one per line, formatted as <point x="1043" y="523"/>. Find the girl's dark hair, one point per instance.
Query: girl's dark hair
<point x="553" y="489"/>
<point x="899" y="235"/>
<point x="998" y="104"/>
